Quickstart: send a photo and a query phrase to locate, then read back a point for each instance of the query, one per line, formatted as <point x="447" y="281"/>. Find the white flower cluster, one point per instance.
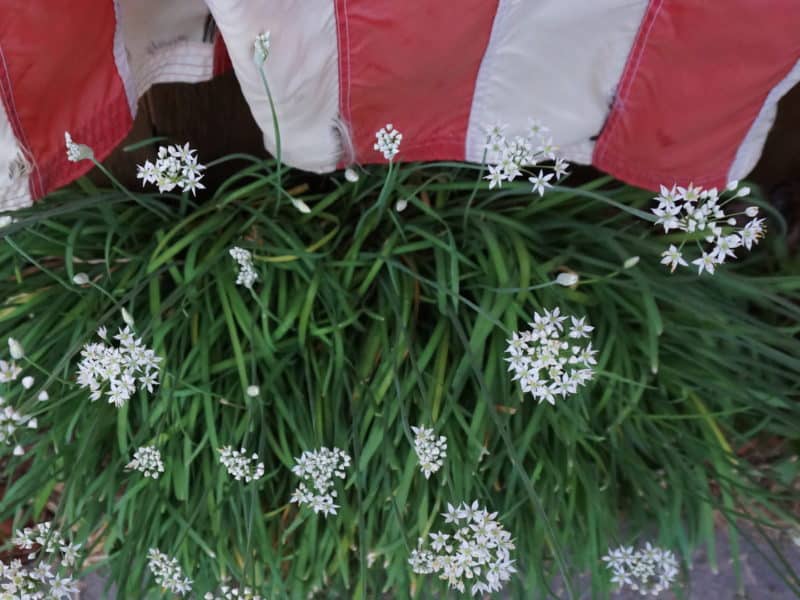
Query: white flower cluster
<point x="698" y="211"/>
<point x="176" y="166"/>
<point x="51" y="580"/>
<point x="649" y="570"/>
<point x="147" y="460"/>
<point x="76" y="152"/>
<point x="240" y="466"/>
<point x="121" y="367"/>
<point x="226" y="592"/>
<point x="388" y="141"/>
<point x="508" y="159"/>
<point x="10" y="421"/>
<point x="18" y="582"/>
<point x="247" y="275"/>
<point x="49" y="542"/>
<point x="478" y="551"/>
<point x="547" y="360"/>
<point x="431" y="451"/>
<point x="318" y="468"/>
<point x="168" y="572"/>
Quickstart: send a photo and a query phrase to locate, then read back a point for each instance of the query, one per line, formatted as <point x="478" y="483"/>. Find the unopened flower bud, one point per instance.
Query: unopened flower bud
<point x="631" y="262"/>
<point x="567" y="279"/>
<point x="80" y="279"/>
<point x="351" y="175"/>
<point x="126" y="316"/>
<point x="16" y="349"/>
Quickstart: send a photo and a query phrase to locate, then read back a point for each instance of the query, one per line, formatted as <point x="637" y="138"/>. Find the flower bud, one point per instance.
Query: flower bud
<point x="631" y="262"/>
<point x="351" y="175"/>
<point x="126" y="316"/>
<point x="80" y="279"/>
<point x="751" y="211"/>
<point x="401" y="205"/>
<point x="567" y="279"/>
<point x="16" y="349"/>
<point x="253" y="391"/>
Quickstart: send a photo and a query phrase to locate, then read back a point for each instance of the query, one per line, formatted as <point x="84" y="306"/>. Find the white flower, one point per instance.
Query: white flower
<point x="705" y="262"/>
<point x="567" y="279"/>
<point x="253" y="391"/>
<point x="18" y="450"/>
<point x="388" y="141"/>
<point x="548" y="361"/>
<point x="147" y="460"/>
<point x="176" y="166"/>
<point x="9" y="371"/>
<point x="261" y="47"/>
<point x="476" y="552"/>
<point x="431" y="451"/>
<point x="80" y="279"/>
<point x="540" y="182"/>
<point x="317" y="468"/>
<point x="240" y="466"/>
<point x="76" y="152"/>
<point x="673" y="257"/>
<point x="401" y="205"/>
<point x="167" y="572"/>
<point x="27" y="382"/>
<point x="43" y="396"/>
<point x="495" y="176"/>
<point x="16" y="349"/>
<point x="247" y="275"/>
<point x="648" y="571"/>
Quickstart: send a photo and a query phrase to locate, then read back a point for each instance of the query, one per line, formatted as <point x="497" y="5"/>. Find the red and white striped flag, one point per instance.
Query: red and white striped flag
<point x="657" y="91"/>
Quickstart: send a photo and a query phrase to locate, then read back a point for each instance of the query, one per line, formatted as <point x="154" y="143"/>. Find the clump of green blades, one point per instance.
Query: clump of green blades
<point x="365" y="322"/>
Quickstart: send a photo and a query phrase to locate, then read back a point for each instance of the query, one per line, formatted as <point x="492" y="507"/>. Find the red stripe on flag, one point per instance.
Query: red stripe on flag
<point x="695" y="81"/>
<point x="413" y="64"/>
<point x="58" y="74"/>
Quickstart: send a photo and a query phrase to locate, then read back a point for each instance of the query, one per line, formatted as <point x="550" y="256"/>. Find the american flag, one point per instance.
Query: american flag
<point x="658" y="91"/>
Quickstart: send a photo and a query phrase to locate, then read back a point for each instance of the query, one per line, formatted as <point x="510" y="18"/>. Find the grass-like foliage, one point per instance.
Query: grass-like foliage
<point x="364" y="322"/>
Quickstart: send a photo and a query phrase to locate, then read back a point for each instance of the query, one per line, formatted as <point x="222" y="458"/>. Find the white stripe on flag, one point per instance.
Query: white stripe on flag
<point x="165" y="42"/>
<point x="753" y="144"/>
<point x="557" y="61"/>
<point x="14" y="168"/>
<point x="121" y="59"/>
<point x="302" y="72"/>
